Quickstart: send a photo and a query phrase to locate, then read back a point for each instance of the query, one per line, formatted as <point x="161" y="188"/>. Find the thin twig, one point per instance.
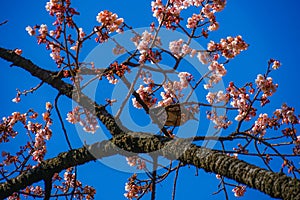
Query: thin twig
<point x="4" y="22"/>
<point x="61" y="121"/>
<point x="175" y="181"/>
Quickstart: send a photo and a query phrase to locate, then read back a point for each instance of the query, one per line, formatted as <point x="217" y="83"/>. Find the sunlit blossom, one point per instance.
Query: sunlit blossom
<point x="30" y="30"/>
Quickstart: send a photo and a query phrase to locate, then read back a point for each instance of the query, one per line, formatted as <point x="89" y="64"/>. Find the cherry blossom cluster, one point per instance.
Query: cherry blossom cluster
<point x="212" y="80"/>
<point x="136" y="161"/>
<point x="151" y="56"/>
<point x="217" y="71"/>
<point x="145" y="92"/>
<point x="289" y="132"/>
<point x="42" y="30"/>
<point x="70" y="182"/>
<point x="261" y="124"/>
<point x="239" y="191"/>
<point x="36" y="147"/>
<point x="229" y="47"/>
<point x="266" y="85"/>
<point x="133" y="189"/>
<point x="193" y="21"/>
<point x="202" y="56"/>
<point x="116" y="69"/>
<point x="57" y="32"/>
<point x="55" y="53"/>
<point x="219" y="5"/>
<point x="146" y="95"/>
<point x="173" y="89"/>
<point x="217" y="97"/>
<point x="217" y="68"/>
<point x="81" y="33"/>
<point x="55" y="7"/>
<point x="42" y="38"/>
<point x="170" y="14"/>
<point x="41" y="134"/>
<point x="62" y="11"/>
<point x="34" y="190"/>
<point x="7" y="124"/>
<point x="89" y="123"/>
<point x="109" y="20"/>
<point x="144" y="44"/>
<point x="220" y="121"/>
<point x="185" y="78"/>
<point x="70" y="179"/>
<point x="241" y="101"/>
<point x="287" y="115"/>
<point x="166" y="14"/>
<point x="208" y="11"/>
<point x="179" y="49"/>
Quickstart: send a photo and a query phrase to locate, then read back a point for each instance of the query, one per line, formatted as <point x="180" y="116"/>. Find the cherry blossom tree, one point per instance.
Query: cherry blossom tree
<point x="162" y="87"/>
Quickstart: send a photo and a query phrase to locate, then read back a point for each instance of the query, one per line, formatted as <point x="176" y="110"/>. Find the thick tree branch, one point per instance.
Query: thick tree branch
<point x="274" y="184"/>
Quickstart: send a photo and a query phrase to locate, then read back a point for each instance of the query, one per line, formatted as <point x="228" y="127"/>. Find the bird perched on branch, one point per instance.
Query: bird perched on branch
<point x="171" y="115"/>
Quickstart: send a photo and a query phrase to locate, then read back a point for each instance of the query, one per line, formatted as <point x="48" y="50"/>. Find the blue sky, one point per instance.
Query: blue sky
<point x="271" y="28"/>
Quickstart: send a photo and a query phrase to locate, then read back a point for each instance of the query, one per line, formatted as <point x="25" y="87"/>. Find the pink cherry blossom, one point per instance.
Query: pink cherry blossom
<point x="81" y="33"/>
<point x="239" y="191"/>
<point x="43" y="30"/>
<point x="145" y="95"/>
<point x="18" y="51"/>
<point x="30" y="30"/>
<point x="193" y="21"/>
<point x="109" y="20"/>
<point x="202" y="57"/>
<point x="261" y="124"/>
<point x="266" y="85"/>
<point x="276" y="64"/>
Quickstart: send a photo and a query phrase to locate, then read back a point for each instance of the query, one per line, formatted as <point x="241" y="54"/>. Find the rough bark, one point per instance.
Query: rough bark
<point x="274" y="184"/>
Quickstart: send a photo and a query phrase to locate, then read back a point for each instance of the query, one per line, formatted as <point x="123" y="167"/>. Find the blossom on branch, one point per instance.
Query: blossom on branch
<point x="109" y="20"/>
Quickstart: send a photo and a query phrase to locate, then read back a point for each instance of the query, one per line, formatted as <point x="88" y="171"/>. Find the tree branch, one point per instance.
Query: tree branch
<point x="115" y="127"/>
<point x="276" y="185"/>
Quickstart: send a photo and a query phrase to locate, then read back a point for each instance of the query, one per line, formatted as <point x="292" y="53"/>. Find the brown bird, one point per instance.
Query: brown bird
<point x="172" y="115"/>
